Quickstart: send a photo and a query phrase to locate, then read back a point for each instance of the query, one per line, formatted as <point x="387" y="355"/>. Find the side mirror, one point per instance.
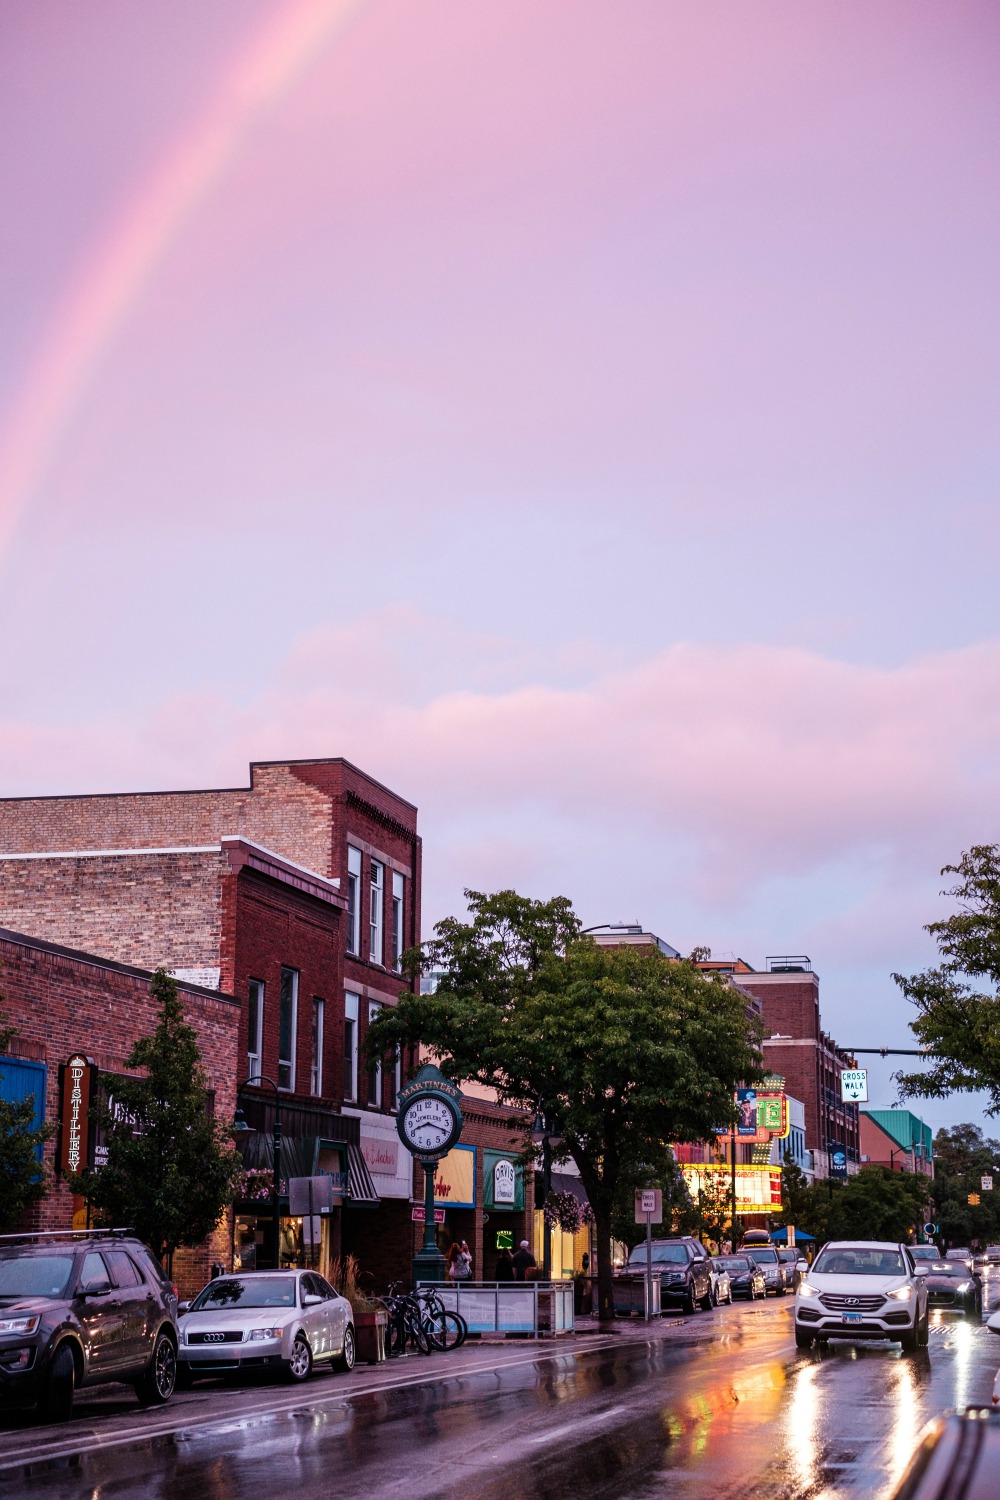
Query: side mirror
<point x="94" y="1289"/>
<point x="182" y="1308"/>
<point x="311" y="1300"/>
<point x="919" y="1270"/>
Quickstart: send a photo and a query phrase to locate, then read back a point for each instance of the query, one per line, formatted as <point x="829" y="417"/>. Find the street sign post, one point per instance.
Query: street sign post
<point x="930" y="1230"/>
<point x="987" y="1184"/>
<point x="649" y="1208"/>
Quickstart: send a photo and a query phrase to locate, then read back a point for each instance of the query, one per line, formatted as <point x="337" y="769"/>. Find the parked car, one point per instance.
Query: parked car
<point x="722" y="1290"/>
<point x="685" y="1275"/>
<point x="766" y="1257"/>
<point x="791" y="1260"/>
<point x="746" y="1279"/>
<point x="963" y="1254"/>
<point x="862" y="1289"/>
<point x="80" y="1309"/>
<point x="949" y="1283"/>
<point x="957" y="1454"/>
<point x="282" y="1320"/>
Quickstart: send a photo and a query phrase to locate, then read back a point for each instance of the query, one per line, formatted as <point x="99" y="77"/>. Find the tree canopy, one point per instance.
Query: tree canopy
<point x="22" y="1175"/>
<point x="962" y="1157"/>
<point x="622" y="1048"/>
<point x="171" y="1169"/>
<point x="958" y="1019"/>
<point x="873" y="1204"/>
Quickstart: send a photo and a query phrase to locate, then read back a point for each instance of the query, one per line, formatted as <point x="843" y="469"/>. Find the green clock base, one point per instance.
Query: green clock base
<point x="428" y="1265"/>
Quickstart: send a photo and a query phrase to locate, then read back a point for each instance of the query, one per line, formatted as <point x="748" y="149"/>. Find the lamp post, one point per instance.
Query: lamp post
<point x="894" y="1152"/>
<point x="240" y="1124"/>
<point x="540" y="1136"/>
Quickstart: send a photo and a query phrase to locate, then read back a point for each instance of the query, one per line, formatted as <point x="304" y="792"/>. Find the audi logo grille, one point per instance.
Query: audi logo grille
<point x="214" y="1338"/>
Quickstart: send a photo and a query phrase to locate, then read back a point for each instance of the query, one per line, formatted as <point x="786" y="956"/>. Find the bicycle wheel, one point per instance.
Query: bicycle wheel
<point x="415" y="1331"/>
<point x="449" y="1331"/>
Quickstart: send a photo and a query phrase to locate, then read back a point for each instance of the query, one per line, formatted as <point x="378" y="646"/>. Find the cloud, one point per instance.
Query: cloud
<point x="737" y="765"/>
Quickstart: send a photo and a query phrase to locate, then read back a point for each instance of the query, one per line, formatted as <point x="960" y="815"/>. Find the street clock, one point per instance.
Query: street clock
<point x="429" y="1114"/>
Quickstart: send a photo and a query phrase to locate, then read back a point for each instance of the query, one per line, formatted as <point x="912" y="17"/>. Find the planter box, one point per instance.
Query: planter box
<point x="369" y="1334"/>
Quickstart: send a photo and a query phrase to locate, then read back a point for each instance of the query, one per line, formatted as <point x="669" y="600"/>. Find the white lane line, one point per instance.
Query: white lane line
<point x="231" y="1422"/>
<point x="577" y="1429"/>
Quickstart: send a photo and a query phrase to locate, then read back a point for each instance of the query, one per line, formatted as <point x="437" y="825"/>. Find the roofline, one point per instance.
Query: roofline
<point x="94" y="961"/>
<point x="209" y="791"/>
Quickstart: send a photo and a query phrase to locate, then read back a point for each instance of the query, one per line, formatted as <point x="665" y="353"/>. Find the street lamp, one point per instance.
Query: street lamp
<point x="240" y="1125"/>
<point x="541" y="1135"/>
<point x="894" y="1152"/>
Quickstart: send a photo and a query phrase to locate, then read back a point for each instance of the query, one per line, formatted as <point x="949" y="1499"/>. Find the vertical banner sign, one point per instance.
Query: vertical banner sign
<point x="838" y="1160"/>
<point x="77" y="1087"/>
<point x="746" y="1106"/>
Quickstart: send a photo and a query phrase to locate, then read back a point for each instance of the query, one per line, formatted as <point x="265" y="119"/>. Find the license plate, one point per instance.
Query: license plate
<point x="854" y="1317"/>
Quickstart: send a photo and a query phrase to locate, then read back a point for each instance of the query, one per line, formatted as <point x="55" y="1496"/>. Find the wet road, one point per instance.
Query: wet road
<point x="718" y="1405"/>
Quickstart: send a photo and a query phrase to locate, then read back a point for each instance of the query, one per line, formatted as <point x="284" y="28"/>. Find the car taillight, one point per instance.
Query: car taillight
<point x="173" y="1288"/>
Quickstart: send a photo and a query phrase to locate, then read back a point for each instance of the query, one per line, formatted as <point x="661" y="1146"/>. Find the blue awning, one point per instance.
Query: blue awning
<point x="779" y="1236"/>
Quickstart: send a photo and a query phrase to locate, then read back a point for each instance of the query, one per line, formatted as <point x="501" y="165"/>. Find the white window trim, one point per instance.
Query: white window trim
<point x="352" y="1008"/>
<point x="289" y="1088"/>
<point x="255" y="1045"/>
<point x="398" y="903"/>
<point x="374" y="1007"/>
<point x="319" y="1030"/>
<point x="376" y="913"/>
<point x="355" y="873"/>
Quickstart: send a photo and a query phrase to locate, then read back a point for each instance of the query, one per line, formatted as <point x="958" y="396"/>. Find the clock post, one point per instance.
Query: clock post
<point x="429" y="1122"/>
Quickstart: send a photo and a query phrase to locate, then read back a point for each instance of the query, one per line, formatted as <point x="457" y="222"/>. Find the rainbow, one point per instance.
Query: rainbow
<point x="112" y="279"/>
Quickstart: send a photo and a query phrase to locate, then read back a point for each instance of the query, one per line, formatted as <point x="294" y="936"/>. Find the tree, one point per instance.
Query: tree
<point x="962" y="1156"/>
<point x="878" y="1204"/>
<point x="22" y="1176"/>
<point x="171" y="1169"/>
<point x="624" y="1049"/>
<point x="957" y="1021"/>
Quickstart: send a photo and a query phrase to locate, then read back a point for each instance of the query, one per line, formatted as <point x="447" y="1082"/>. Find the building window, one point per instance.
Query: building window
<point x="316" y="1070"/>
<point x="255" y="1028"/>
<point x="375" y="914"/>
<point x="398" y="887"/>
<point x="353" y="900"/>
<point x="287" y="1019"/>
<point x="374" y="1068"/>
<point x="350" y="1046"/>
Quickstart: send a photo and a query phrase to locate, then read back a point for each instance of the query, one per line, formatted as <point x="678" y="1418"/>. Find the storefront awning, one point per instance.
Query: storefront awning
<point x="360" y="1188"/>
<point x="566" y="1182"/>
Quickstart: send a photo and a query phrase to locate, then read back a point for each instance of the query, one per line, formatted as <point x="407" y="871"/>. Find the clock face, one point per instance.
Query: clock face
<point x="428" y="1124"/>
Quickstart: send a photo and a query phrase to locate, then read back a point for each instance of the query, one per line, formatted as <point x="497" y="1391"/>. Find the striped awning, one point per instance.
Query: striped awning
<point x="360" y="1188"/>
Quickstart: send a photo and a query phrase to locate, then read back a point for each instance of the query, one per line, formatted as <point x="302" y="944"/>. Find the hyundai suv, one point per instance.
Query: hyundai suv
<point x="862" y="1289"/>
<point x="81" y="1309"/>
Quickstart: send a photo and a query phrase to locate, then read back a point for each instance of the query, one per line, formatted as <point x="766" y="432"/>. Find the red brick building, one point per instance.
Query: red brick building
<point x="297" y="895"/>
<point x="65" y="1003"/>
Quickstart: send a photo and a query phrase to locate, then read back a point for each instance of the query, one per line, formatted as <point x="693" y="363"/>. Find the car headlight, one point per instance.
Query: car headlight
<point x="265" y="1333"/>
<point x="901" y="1294"/>
<point x="806" y="1289"/>
<point x="964" y="1286"/>
<point x="19" y="1325"/>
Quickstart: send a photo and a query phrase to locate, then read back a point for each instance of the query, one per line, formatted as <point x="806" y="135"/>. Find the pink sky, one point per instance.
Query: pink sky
<point x="583" y="416"/>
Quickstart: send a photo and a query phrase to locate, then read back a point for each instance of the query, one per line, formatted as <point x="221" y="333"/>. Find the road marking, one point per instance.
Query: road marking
<point x="180" y="1424"/>
<point x="575" y="1428"/>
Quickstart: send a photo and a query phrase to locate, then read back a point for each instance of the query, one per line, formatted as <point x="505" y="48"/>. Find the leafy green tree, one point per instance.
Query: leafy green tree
<point x="877" y="1204"/>
<point x="680" y="1212"/>
<point x="22" y="1176"/>
<point x="171" y="1170"/>
<point x="958" y="1020"/>
<point x="962" y="1156"/>
<point x="624" y="1049"/>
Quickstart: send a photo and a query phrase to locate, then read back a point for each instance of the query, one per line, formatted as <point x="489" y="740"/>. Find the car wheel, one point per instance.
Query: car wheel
<point x="155" y="1385"/>
<point x="347" y="1356"/>
<point x="689" y="1305"/>
<point x="57" y="1403"/>
<point x="924" y="1335"/>
<point x="803" y="1339"/>
<point x="299" y="1366"/>
<point x="780" y="1290"/>
<point x="909" y="1341"/>
<point x="708" y="1301"/>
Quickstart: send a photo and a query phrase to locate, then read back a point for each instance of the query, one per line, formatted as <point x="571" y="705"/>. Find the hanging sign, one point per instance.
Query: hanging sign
<point x="854" y="1085"/>
<point x="77" y="1090"/>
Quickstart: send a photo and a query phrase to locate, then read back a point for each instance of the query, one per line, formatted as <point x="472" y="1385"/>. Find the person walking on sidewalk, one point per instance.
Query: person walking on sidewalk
<point x="505" y="1267"/>
<point x="523" y="1261"/>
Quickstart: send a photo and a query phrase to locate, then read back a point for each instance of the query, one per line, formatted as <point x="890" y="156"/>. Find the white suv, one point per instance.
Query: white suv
<point x="862" y="1289"/>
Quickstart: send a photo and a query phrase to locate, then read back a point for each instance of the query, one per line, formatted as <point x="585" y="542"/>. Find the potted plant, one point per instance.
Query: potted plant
<point x="370" y="1318"/>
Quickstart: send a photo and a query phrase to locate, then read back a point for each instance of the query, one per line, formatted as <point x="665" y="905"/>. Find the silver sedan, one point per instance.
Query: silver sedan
<point x="284" y="1320"/>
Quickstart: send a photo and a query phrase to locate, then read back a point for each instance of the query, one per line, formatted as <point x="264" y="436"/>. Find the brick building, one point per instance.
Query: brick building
<point x="65" y="1003"/>
<point x="297" y="895"/>
<point x="897" y="1139"/>
<point x="797" y="1048"/>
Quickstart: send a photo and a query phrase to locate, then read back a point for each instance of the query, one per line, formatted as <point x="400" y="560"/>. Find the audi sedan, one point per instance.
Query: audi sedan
<point x="862" y="1289"/>
<point x="287" y="1321"/>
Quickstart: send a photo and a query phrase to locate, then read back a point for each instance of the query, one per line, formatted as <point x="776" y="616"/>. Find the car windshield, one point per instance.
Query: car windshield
<point x="925" y="1252"/>
<point x="949" y="1268"/>
<point x="673" y="1253"/>
<point x="788" y="1255"/>
<point x="763" y="1255"/>
<point x="232" y="1291"/>
<point x="867" y="1262"/>
<point x="34" y="1275"/>
<point x="733" y="1263"/>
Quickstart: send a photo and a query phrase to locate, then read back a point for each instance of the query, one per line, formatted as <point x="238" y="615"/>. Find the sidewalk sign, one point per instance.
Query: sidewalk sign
<point x="649" y="1210"/>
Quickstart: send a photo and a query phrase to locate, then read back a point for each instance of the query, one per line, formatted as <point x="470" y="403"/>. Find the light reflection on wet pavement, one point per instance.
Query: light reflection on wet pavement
<point x="721" y="1405"/>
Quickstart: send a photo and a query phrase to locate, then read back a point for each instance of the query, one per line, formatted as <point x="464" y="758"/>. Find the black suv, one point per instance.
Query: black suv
<point x="685" y="1271"/>
<point x="79" y="1309"/>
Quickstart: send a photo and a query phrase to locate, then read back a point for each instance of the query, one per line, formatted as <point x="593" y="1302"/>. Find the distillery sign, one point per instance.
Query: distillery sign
<point x="78" y="1083"/>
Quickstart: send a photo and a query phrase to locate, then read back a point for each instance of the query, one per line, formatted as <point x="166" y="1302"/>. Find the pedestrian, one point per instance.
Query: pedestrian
<point x="462" y="1268"/>
<point x="523" y="1262"/>
<point x="505" y="1267"/>
<point x="451" y="1258"/>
